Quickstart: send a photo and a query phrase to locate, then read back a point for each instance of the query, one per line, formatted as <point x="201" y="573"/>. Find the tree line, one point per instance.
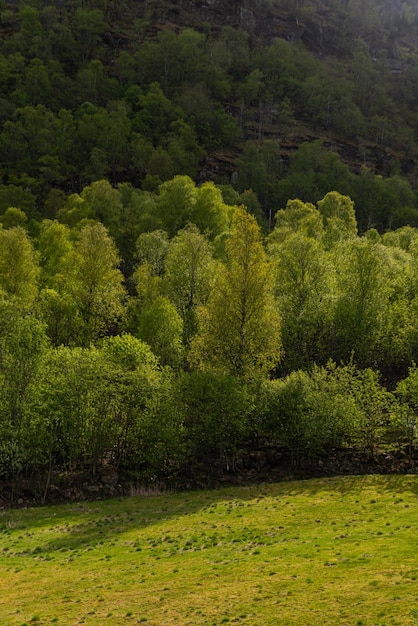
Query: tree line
<point x="216" y="339"/>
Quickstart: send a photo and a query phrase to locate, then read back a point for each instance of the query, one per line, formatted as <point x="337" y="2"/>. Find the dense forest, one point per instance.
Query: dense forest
<point x="209" y="234"/>
<point x="244" y="93"/>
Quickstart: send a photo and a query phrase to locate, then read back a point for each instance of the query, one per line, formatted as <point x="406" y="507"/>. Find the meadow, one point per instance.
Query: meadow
<point x="334" y="551"/>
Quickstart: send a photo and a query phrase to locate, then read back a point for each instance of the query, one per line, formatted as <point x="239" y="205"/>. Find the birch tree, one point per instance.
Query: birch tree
<point x="239" y="329"/>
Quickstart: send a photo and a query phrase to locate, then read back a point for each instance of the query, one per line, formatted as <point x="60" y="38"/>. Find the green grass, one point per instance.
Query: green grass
<point x="317" y="552"/>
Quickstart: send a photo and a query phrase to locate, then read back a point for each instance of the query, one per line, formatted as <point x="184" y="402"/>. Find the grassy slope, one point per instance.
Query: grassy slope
<point x="329" y="551"/>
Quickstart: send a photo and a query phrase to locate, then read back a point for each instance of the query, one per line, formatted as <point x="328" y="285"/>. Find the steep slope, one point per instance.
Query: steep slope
<point x="141" y="91"/>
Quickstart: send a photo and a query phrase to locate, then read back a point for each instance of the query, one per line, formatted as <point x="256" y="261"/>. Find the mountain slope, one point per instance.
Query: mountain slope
<point x="141" y="91"/>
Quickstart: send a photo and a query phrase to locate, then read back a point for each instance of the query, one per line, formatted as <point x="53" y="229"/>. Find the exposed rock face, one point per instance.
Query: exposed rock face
<point x="325" y="29"/>
<point x="260" y="19"/>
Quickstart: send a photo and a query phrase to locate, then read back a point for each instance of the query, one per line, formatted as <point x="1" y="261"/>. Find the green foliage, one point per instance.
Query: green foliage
<point x="239" y="329"/>
<point x="13" y="217"/>
<point x="128" y="352"/>
<point x="17" y="197"/>
<point x="89" y="403"/>
<point x="80" y="103"/>
<point x="308" y="414"/>
<point x="259" y="169"/>
<point x="300" y="217"/>
<point x="23" y="343"/>
<point x="313" y="172"/>
<point x="305" y="282"/>
<point x="161" y="327"/>
<point x="321" y="292"/>
<point x="405" y="418"/>
<point x="19" y="268"/>
<point x="149" y="428"/>
<point x="151" y="248"/>
<point x="60" y="313"/>
<point x="375" y="404"/>
<point x="362" y="300"/>
<point x="54" y="247"/>
<point x="216" y="411"/>
<point x="70" y="418"/>
<point x="330" y="407"/>
<point x="339" y="217"/>
<point x="103" y="203"/>
<point x="175" y="201"/>
<point x="94" y="282"/>
<point x="105" y="128"/>
<point x="189" y="269"/>
<point x="210" y="214"/>
<point x="12" y="461"/>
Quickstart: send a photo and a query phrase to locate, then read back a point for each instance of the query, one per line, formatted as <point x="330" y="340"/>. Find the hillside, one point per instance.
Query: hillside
<point x="155" y="323"/>
<point x="140" y="91"/>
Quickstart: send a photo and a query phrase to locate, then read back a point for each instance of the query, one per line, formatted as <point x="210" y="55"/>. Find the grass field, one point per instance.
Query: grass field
<point x="323" y="552"/>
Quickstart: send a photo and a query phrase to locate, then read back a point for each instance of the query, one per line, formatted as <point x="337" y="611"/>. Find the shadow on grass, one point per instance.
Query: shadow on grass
<point x="89" y="524"/>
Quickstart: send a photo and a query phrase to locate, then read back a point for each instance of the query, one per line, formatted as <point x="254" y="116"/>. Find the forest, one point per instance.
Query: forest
<point x="220" y="342"/>
<point x="209" y="235"/>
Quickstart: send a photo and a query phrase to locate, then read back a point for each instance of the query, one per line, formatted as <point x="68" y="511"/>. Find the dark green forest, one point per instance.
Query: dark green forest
<point x="209" y="234"/>
<point x="287" y="98"/>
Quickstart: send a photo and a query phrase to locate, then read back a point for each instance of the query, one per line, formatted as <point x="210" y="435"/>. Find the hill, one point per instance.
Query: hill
<point x="140" y="91"/>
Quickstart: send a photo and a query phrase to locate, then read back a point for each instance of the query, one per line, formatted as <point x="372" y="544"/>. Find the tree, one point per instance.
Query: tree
<point x="95" y="282"/>
<point x="90" y="26"/>
<point x="14" y="217"/>
<point x="137" y="216"/>
<point x="189" y="269"/>
<point x="339" y="217"/>
<point x="103" y="204"/>
<point x="152" y="248"/>
<point x="175" y="203"/>
<point x="26" y="138"/>
<point x="97" y="403"/>
<point x="406" y="417"/>
<point x="259" y="169"/>
<point x="210" y="214"/>
<point x="156" y="114"/>
<point x="19" y="270"/>
<point x="161" y="327"/>
<point x="297" y="217"/>
<point x="362" y="301"/>
<point x="216" y="409"/>
<point x="54" y="247"/>
<point x="375" y="405"/>
<point x="149" y="430"/>
<point x="184" y="149"/>
<point x="22" y="343"/>
<point x="239" y="329"/>
<point x="308" y="413"/>
<point x="397" y="346"/>
<point x="148" y="286"/>
<point x="313" y="172"/>
<point x="305" y="287"/>
<point x="14" y="196"/>
<point x="72" y="409"/>
<point x="59" y="311"/>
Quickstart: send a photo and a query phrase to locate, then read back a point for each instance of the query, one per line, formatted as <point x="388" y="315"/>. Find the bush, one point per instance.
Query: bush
<point x="216" y="408"/>
<point x="12" y="460"/>
<point x="315" y="413"/>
